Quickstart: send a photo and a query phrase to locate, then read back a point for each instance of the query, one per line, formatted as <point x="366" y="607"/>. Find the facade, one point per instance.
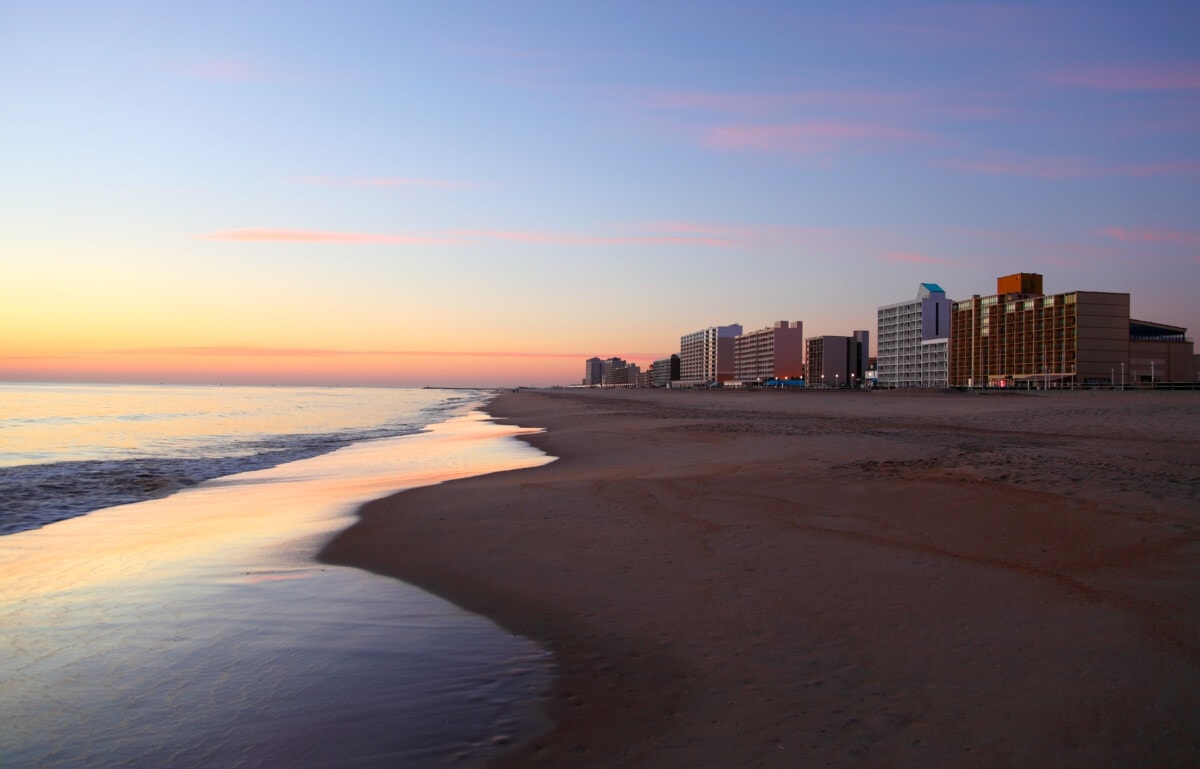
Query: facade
<point x="706" y="356"/>
<point x="774" y="352"/>
<point x="1160" y="353"/>
<point x="663" y="372"/>
<point x="617" y="372"/>
<point x="593" y="370"/>
<point x="913" y="340"/>
<point x="838" y="361"/>
<point x="1020" y="337"/>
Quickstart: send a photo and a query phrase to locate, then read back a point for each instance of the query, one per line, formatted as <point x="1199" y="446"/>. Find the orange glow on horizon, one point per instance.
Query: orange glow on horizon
<point x="233" y="365"/>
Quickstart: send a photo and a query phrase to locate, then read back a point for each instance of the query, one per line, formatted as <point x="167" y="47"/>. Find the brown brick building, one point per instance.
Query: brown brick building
<point x="1022" y="337"/>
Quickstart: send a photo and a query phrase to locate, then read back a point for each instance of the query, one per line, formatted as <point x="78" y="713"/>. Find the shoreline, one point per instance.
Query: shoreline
<point x="884" y="579"/>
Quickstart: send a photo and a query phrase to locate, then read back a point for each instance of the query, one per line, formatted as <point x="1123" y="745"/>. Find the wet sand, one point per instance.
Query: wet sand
<point x="847" y="579"/>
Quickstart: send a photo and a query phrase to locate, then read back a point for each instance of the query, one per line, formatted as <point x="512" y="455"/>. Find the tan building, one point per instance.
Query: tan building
<point x="1021" y="337"/>
<point x="774" y="352"/>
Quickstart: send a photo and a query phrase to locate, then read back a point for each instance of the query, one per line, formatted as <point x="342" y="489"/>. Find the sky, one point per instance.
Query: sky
<point x="457" y="193"/>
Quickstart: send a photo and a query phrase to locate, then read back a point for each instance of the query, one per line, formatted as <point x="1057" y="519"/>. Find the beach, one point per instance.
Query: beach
<point x="838" y="578"/>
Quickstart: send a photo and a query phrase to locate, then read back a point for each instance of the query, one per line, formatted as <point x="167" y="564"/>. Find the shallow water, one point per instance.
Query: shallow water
<point x="198" y="631"/>
<point x="68" y="449"/>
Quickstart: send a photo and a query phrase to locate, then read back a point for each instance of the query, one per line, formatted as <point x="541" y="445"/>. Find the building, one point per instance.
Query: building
<point x="1160" y="353"/>
<point x="913" y="339"/>
<point x="1020" y="337"/>
<point x="774" y="352"/>
<point x="593" y="370"/>
<point x="663" y="372"/>
<point x="838" y="361"/>
<point x="615" y="371"/>
<point x="706" y="356"/>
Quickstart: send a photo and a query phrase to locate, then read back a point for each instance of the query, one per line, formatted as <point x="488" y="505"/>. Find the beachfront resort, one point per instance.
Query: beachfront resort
<point x="1018" y="337"/>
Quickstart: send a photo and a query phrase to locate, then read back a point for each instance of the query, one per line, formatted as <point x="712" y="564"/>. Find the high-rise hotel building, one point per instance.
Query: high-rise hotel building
<point x="774" y="352"/>
<point x="706" y="356"/>
<point x="913" y="339"/>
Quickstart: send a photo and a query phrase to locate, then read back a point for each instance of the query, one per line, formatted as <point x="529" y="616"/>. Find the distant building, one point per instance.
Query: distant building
<point x="1160" y="353"/>
<point x="593" y="371"/>
<point x="706" y="356"/>
<point x="663" y="372"/>
<point x="1020" y="337"/>
<point x="913" y="339"/>
<point x="838" y="361"/>
<point x="615" y="371"/>
<point x="774" y="352"/>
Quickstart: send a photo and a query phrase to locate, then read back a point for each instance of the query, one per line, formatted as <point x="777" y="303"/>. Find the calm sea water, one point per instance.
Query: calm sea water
<point x="193" y="628"/>
<point x="69" y="449"/>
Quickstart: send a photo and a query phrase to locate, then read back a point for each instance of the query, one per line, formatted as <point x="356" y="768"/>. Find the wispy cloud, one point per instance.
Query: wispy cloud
<point x="565" y="239"/>
<point x="1050" y="167"/>
<point x="1183" y="77"/>
<point x="379" y="181"/>
<point x="1173" y="237"/>
<point x="712" y="238"/>
<point x="968" y="26"/>
<point x="758" y="103"/>
<point x="908" y="257"/>
<point x="251" y="351"/>
<point x="225" y="69"/>
<point x="807" y="138"/>
<point x="317" y="236"/>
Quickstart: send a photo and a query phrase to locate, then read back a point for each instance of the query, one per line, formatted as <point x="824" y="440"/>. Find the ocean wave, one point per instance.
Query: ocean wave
<point x="50" y="487"/>
<point x="36" y="495"/>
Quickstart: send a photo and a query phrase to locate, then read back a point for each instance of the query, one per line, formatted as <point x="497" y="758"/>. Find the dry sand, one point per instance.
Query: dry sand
<point x="848" y="579"/>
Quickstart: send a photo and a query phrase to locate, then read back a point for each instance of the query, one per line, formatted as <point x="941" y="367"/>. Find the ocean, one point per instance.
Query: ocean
<point x="160" y="602"/>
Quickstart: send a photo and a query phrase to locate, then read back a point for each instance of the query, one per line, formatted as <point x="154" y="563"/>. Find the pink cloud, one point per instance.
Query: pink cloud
<point x="227" y="69"/>
<point x="315" y="236"/>
<point x="757" y="239"/>
<point x="377" y="182"/>
<point x="1117" y="78"/>
<point x="764" y="103"/>
<point x="1174" y="237"/>
<point x="906" y="257"/>
<point x="1170" y="168"/>
<point x="249" y="351"/>
<point x="712" y="239"/>
<point x="1007" y="164"/>
<point x="812" y="137"/>
<point x="963" y="26"/>
<point x="562" y="239"/>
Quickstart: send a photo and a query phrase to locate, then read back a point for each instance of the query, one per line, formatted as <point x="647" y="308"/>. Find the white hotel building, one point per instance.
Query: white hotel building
<point x="706" y="356"/>
<point x="913" y="339"/>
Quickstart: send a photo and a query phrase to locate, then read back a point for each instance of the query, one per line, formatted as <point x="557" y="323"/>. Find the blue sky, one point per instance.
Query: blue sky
<point x="464" y="193"/>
